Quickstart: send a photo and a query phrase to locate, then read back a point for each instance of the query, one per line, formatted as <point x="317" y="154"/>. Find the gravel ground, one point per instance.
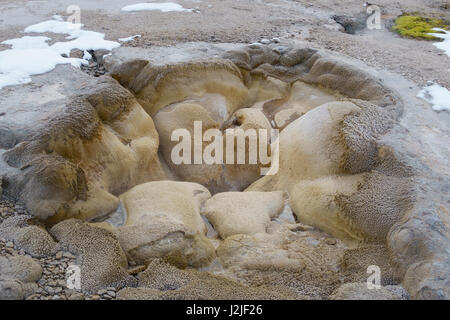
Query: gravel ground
<point x="53" y="283"/>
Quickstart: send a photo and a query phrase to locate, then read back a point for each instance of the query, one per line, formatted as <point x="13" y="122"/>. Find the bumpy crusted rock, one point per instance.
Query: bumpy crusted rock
<point x="301" y="98"/>
<point x="419" y="244"/>
<point x="163" y="276"/>
<point x="356" y="261"/>
<point x="303" y="261"/>
<point x="184" y="116"/>
<point x="11" y="290"/>
<point x="359" y="291"/>
<point x="267" y="80"/>
<point x="319" y="68"/>
<point x="21" y="268"/>
<point x="159" y="86"/>
<point x="70" y="154"/>
<point x="33" y="239"/>
<point x="100" y="257"/>
<point x="243" y="212"/>
<point x="359" y="132"/>
<point x="18" y="275"/>
<point x="418" y="241"/>
<point x="379" y="203"/>
<point x="163" y="281"/>
<point x="363" y="206"/>
<point x="314" y="202"/>
<point x="428" y="279"/>
<point x="309" y="147"/>
<point x="163" y="220"/>
<point x="327" y="142"/>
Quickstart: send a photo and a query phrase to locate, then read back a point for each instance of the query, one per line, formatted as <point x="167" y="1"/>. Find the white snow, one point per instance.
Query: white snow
<point x="443" y="45"/>
<point x="437" y="96"/>
<point x="87" y="55"/>
<point x="32" y="55"/>
<point x="161" y="6"/>
<point x="55" y="26"/>
<point x="28" y="42"/>
<point x="129" y="38"/>
<point x="83" y="39"/>
<point x="17" y="65"/>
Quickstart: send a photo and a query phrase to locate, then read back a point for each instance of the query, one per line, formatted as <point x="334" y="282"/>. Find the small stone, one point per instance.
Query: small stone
<point x="101" y="292"/>
<point x="10" y="244"/>
<point x="40" y="291"/>
<point x="76" y="296"/>
<point x="49" y="290"/>
<point x="112" y="294"/>
<point x="330" y="241"/>
<point x="68" y="255"/>
<point x="59" y="255"/>
<point x="76" y="53"/>
<point x="265" y="41"/>
<point x="95" y="297"/>
<point x="276" y="40"/>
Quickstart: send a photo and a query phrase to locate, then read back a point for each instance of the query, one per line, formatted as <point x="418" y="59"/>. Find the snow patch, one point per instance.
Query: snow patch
<point x="445" y="44"/>
<point x="162" y="6"/>
<point x="437" y="96"/>
<point x="28" y="42"/>
<point x="33" y="55"/>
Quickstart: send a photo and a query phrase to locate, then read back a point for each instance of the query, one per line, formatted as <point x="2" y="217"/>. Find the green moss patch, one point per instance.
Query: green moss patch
<point x="418" y="27"/>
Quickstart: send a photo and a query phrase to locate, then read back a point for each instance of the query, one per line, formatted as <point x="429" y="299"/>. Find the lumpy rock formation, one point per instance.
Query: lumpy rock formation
<point x="91" y="160"/>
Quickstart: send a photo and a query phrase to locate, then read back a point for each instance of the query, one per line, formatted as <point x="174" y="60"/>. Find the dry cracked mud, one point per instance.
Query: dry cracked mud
<point x="88" y="177"/>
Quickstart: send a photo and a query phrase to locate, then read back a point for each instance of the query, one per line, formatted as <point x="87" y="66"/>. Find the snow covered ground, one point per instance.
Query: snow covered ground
<point x="437" y="96"/>
<point x="162" y="6"/>
<point x="445" y="44"/>
<point x="32" y="55"/>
